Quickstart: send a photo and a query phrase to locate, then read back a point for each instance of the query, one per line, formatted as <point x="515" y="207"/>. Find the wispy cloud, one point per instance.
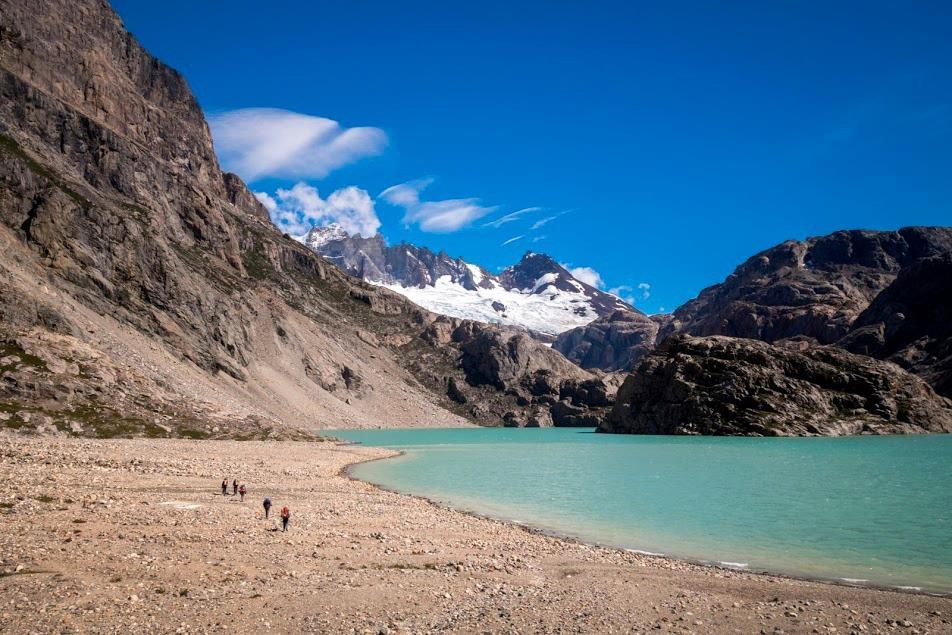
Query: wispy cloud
<point x="298" y="209"/>
<point x="443" y="216"/>
<point x="645" y="289"/>
<point x="269" y="142"/>
<point x="511" y="216"/>
<point x="548" y="219"/>
<point x="512" y="240"/>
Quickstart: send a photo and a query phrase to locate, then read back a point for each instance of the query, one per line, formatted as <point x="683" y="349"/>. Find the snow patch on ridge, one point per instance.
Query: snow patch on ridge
<point x="550" y="313"/>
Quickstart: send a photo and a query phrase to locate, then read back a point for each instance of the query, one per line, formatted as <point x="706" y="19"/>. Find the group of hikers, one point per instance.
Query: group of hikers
<point x="241" y="491"/>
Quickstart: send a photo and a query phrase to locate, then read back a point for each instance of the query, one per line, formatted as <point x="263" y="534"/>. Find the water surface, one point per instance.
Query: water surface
<point x="872" y="510"/>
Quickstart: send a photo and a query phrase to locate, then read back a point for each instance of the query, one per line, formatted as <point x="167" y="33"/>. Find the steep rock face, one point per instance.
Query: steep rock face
<point x="910" y="323"/>
<point x="814" y="288"/>
<point x="612" y="343"/>
<point x="143" y="291"/>
<point x="729" y="386"/>
<point x="506" y="366"/>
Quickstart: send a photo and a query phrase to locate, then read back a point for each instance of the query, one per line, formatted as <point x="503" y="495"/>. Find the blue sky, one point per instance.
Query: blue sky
<point x="665" y="144"/>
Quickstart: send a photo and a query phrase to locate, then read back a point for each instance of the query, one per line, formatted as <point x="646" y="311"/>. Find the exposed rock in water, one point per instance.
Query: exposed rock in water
<point x="731" y="386"/>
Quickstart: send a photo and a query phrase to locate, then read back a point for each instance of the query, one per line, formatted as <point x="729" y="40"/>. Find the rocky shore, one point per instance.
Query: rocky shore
<point x="111" y="536"/>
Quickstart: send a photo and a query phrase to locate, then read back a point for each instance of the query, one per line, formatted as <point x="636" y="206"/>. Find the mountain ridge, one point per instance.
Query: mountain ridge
<point x="537" y="293"/>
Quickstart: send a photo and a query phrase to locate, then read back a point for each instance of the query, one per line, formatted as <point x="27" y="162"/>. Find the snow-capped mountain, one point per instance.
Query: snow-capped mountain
<point x="536" y="294"/>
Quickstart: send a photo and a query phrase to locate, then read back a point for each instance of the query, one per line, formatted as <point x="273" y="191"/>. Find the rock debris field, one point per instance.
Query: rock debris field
<point x="117" y="536"/>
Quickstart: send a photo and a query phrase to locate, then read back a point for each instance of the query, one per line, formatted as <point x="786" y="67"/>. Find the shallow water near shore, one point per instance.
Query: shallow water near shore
<point x="863" y="510"/>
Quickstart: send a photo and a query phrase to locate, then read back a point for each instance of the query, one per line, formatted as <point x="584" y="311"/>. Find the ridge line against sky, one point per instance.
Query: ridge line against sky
<point x="652" y="146"/>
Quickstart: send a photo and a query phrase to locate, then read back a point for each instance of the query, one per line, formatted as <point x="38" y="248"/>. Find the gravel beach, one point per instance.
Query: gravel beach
<point x="134" y="536"/>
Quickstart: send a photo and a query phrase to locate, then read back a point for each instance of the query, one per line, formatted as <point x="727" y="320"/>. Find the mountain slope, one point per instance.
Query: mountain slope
<point x="814" y="288"/>
<point x="146" y="292"/>
<point x="536" y="294"/>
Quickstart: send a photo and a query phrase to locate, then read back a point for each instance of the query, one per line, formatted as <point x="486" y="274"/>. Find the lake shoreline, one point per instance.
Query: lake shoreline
<point x="531" y="529"/>
<point x="112" y="535"/>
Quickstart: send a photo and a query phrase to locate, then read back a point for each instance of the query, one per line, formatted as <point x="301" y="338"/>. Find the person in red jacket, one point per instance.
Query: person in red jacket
<point x="242" y="491"/>
<point x="285" y="517"/>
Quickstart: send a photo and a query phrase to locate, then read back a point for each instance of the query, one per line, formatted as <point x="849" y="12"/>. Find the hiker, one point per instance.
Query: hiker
<point x="267" y="507"/>
<point x="285" y="517"/>
<point x="242" y="491"/>
<point x="224" y="487"/>
<point x="234" y="487"/>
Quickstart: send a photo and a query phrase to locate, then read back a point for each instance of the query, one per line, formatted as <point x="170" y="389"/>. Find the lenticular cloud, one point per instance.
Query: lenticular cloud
<point x="268" y="142"/>
<point x="439" y="217"/>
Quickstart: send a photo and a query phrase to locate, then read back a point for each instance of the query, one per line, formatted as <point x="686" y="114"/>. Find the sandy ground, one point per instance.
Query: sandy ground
<point x="134" y="536"/>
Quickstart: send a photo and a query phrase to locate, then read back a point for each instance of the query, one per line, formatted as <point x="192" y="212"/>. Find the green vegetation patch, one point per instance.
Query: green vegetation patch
<point x="107" y="423"/>
<point x="257" y="266"/>
<point x="12" y="349"/>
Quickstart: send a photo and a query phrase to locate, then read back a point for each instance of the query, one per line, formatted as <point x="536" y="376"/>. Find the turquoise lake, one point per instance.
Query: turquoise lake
<point x="865" y="510"/>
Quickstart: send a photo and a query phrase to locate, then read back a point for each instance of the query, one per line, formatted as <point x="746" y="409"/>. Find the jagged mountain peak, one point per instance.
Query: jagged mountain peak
<point x="537" y="293"/>
<point x="320" y="235"/>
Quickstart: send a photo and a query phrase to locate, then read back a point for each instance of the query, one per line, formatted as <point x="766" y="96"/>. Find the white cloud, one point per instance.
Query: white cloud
<point x="269" y="142"/>
<point x="661" y="309"/>
<point x="511" y="240"/>
<point x="298" y="209"/>
<point x="433" y="216"/>
<point x="542" y="221"/>
<point x="623" y="292"/>
<point x="536" y="239"/>
<point x="510" y="217"/>
<point x="627" y="293"/>
<point x="587" y="275"/>
<point x="267" y="200"/>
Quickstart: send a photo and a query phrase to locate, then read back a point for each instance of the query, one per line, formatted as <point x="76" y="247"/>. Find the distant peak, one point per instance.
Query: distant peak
<point x="533" y="256"/>
<point x="324" y="234"/>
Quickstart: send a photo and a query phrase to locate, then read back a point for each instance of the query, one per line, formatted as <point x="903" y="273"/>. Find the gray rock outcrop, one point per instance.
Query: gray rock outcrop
<point x="612" y="343"/>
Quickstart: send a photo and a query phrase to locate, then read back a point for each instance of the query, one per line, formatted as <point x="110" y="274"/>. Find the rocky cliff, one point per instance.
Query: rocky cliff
<point x="508" y="375"/>
<point x="814" y="288"/>
<point x="145" y="292"/>
<point x="910" y="323"/>
<point x="882" y="294"/>
<point x="613" y="343"/>
<point x="731" y="386"/>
